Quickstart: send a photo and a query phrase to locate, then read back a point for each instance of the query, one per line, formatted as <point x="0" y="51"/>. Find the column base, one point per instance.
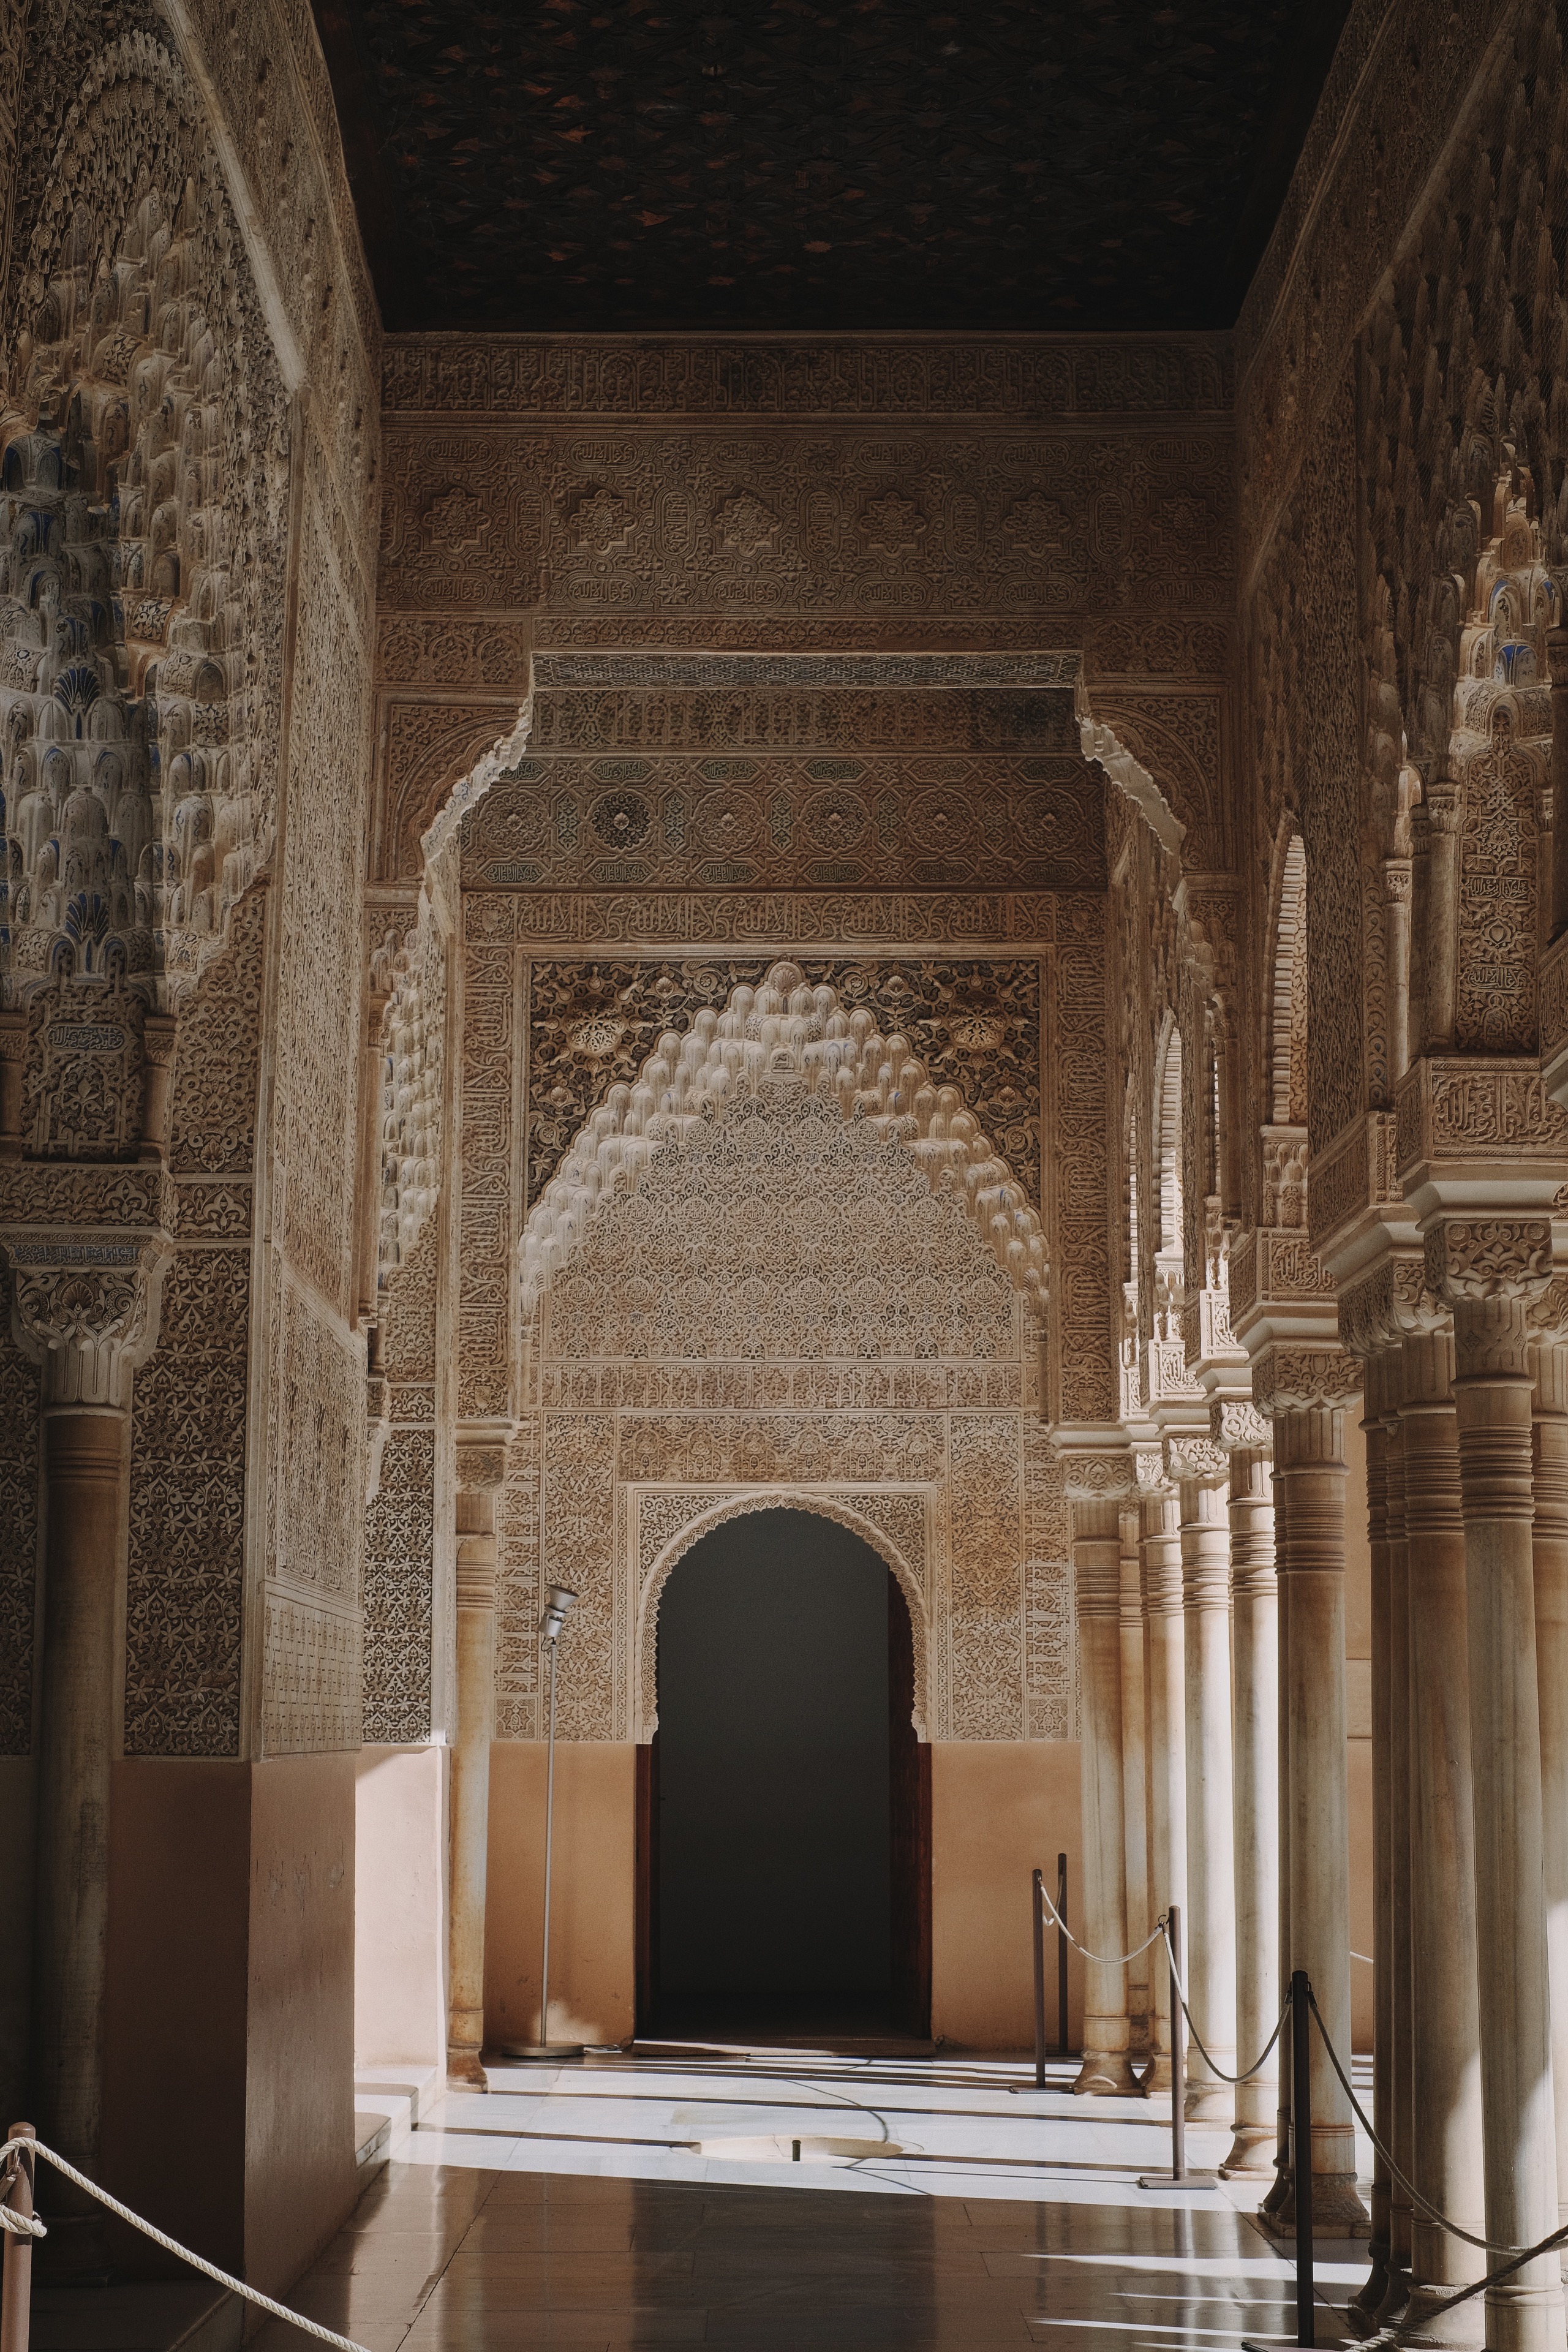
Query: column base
<point x="1395" y="2296"/>
<point x="463" y="2066"/>
<point x="1365" y="2306"/>
<point x="1424" y="2321"/>
<point x="1252" y="2151"/>
<point x="1337" y="2209"/>
<point x="1210" y="2103"/>
<point x="1106" y="2075"/>
<point x="1155" y="2080"/>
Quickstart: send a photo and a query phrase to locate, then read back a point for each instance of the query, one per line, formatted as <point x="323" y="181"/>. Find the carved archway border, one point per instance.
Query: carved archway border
<point x="711" y="1509"/>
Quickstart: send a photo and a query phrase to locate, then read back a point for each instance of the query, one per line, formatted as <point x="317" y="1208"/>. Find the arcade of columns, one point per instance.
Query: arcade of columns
<point x="265" y="1414"/>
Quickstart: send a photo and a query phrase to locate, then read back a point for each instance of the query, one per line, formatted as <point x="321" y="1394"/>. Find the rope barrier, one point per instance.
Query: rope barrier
<point x="1102" y="1960"/>
<point x="1192" y="2028"/>
<point x="1485" y="2245"/>
<point x="19" y="2225"/>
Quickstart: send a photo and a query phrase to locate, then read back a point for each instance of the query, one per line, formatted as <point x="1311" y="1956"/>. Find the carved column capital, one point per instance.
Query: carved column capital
<point x="1388" y="1303"/>
<point x="1471" y="1259"/>
<point x="481" y="1465"/>
<point x="85" y="1308"/>
<point x="1441" y="802"/>
<point x="1301" y="1380"/>
<point x="1198" y="1460"/>
<point x="1098" y="1477"/>
<point x="1234" y="1425"/>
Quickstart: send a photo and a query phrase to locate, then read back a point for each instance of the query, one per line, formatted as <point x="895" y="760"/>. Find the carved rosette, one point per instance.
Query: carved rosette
<point x="85" y="1308"/>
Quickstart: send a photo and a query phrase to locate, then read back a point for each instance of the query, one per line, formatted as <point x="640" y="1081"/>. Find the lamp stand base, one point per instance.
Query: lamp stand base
<point x="542" y="2049"/>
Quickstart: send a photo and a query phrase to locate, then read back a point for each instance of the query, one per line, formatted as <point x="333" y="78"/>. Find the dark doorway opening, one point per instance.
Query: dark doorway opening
<point x="784" y="1810"/>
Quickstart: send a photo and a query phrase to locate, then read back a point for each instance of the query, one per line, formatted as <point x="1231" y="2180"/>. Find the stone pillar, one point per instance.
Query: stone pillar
<point x="1097" y="1574"/>
<point x="1134" y="1784"/>
<point x="1491" y="1269"/>
<point x="479" y="1474"/>
<point x="1550" y="1553"/>
<point x="1379" y="1381"/>
<point x="1445" y="2132"/>
<point x="88" y="1324"/>
<point x="1396" y="1700"/>
<point x="1307" y="1392"/>
<point x="1165" y="1715"/>
<point x="1255" y="1716"/>
<point x="1210" y="1919"/>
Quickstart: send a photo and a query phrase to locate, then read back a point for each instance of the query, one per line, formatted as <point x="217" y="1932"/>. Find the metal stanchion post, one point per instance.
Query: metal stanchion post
<point x="1062" y="1954"/>
<point x="1302" y="2137"/>
<point x="1038" y="1937"/>
<point x="1178" y="2177"/>
<point x="17" y="2289"/>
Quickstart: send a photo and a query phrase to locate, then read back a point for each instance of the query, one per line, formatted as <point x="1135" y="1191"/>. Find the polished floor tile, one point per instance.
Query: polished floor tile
<point x="595" y="2206"/>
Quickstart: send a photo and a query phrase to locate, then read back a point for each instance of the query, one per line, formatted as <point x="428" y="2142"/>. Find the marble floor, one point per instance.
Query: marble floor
<point x="782" y="2201"/>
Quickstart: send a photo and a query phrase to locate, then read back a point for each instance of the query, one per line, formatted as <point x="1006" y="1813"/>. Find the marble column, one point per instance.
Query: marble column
<point x="1491" y="1269"/>
<point x="1310" y="1470"/>
<point x="1277" y="2200"/>
<point x="1400" y="2042"/>
<point x="1134" y="1808"/>
<point x="1097" y="1574"/>
<point x="1446" y="2127"/>
<point x="1255" y="1716"/>
<point x="86" y="1326"/>
<point x="1165" y="1747"/>
<point x="476" y="1663"/>
<point x="1381" y="1377"/>
<point x="1210" y="1919"/>
<point x="1550" y="1553"/>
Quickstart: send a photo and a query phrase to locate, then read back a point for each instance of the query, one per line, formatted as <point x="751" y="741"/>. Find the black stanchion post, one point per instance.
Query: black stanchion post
<point x="1038" y="1939"/>
<point x="1062" y="1954"/>
<point x="1302" y="2137"/>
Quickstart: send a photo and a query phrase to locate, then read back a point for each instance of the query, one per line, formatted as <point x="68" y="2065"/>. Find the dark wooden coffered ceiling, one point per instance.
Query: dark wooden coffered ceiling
<point x="603" y="165"/>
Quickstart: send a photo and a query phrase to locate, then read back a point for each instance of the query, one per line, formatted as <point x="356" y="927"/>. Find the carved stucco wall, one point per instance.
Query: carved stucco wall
<point x="190" y="353"/>
<point x="783" y="1305"/>
<point x="914" y="1405"/>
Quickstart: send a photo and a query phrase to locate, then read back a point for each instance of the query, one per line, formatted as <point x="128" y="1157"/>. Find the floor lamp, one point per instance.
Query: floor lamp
<point x="560" y="1598"/>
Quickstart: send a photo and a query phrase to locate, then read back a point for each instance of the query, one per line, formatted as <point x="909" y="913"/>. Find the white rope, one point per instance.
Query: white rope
<point x="1365" y="1958"/>
<point x="1197" y="2037"/>
<point x="1120" y="1959"/>
<point x="17" y="2226"/>
<point x="1486" y="2245"/>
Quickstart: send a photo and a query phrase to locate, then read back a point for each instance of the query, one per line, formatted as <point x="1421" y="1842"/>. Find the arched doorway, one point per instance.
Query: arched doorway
<point x="785" y="1826"/>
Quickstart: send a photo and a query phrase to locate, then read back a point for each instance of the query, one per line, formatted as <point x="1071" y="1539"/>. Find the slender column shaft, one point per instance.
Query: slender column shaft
<point x="1255" y="1711"/>
<point x="85" y="1469"/>
<point x="1445" y="2160"/>
<point x="1549" y="1552"/>
<point x="1165" y="1715"/>
<point x="1309" y="1463"/>
<point x="1097" y="1566"/>
<point x="1211" y="1856"/>
<point x="1371" y="2293"/>
<point x="1402" y="2045"/>
<point x="1279" y="2200"/>
<point x="471" y="1781"/>
<point x="1135" y="1825"/>
<point x="1492" y="1392"/>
